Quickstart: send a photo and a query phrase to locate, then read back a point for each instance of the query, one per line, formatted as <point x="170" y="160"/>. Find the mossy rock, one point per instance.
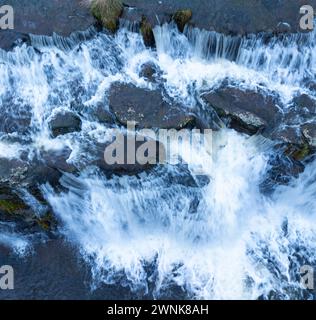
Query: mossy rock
<point x="146" y="31"/>
<point x="47" y="222"/>
<point x="299" y="153"/>
<point x="181" y="18"/>
<point x="107" y="12"/>
<point x="10" y="206"/>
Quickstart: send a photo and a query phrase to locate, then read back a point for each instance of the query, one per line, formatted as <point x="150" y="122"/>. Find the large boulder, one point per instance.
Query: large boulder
<point x="245" y="110"/>
<point x="144" y="161"/>
<point x="148" y="108"/>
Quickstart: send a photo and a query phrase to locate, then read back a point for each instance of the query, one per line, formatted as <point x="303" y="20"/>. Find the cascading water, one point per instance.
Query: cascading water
<point x="218" y="237"/>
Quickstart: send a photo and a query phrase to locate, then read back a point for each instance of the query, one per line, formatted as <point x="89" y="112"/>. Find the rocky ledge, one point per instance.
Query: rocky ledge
<point x="256" y="112"/>
<point x="45" y="17"/>
<point x="225" y="16"/>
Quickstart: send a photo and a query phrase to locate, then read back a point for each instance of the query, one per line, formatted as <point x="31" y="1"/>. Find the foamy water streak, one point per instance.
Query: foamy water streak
<point x="223" y="240"/>
<point x="215" y="236"/>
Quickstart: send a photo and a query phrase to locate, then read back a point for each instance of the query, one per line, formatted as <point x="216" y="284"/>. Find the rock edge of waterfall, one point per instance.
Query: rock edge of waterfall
<point x="230" y="17"/>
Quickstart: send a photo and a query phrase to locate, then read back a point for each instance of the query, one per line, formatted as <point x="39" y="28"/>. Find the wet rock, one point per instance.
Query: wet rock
<point x="101" y="113"/>
<point x="44" y="17"/>
<point x="246" y="111"/>
<point x="150" y="72"/>
<point x="12" y="171"/>
<point x="282" y="170"/>
<point x="57" y="159"/>
<point x="297" y="130"/>
<point x="298" y="152"/>
<point x="9" y="203"/>
<point x="305" y="103"/>
<point x="309" y="132"/>
<point x="287" y="135"/>
<point x="311" y="85"/>
<point x="291" y="141"/>
<point x="10" y="38"/>
<point x="107" y="12"/>
<point x="16" y="173"/>
<point x="14" y="210"/>
<point x="64" y="122"/>
<point x="181" y="18"/>
<point x="132" y="159"/>
<point x="31" y="171"/>
<point x="225" y="16"/>
<point x="147" y="33"/>
<point x="148" y="108"/>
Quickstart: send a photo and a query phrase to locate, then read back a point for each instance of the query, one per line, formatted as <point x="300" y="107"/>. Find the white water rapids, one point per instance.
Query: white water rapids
<point x="216" y="239"/>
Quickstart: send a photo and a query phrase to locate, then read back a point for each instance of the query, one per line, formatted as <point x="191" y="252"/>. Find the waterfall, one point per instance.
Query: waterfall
<point x="216" y="236"/>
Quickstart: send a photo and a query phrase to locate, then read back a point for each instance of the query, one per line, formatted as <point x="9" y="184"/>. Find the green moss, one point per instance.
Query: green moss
<point x="298" y="152"/>
<point x="301" y="153"/>
<point x="9" y="206"/>
<point x="107" y="12"/>
<point x="181" y="18"/>
<point x="147" y="32"/>
<point x="47" y="222"/>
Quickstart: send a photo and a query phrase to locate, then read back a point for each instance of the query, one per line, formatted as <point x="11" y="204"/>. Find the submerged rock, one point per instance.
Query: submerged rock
<point x="64" y="122"/>
<point x="150" y="72"/>
<point x="246" y="111"/>
<point x="148" y="108"/>
<point x="15" y="116"/>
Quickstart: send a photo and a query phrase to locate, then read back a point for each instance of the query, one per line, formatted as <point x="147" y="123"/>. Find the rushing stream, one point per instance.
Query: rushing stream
<point x="216" y="236"/>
